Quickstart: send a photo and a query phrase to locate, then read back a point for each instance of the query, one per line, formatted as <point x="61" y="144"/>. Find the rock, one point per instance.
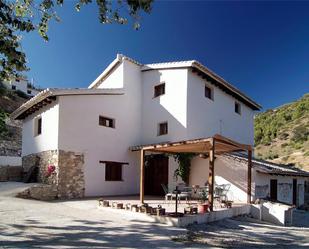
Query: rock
<point x="43" y="192"/>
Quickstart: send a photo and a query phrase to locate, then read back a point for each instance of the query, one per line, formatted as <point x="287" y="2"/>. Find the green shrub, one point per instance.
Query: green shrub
<point x="284" y="145"/>
<point x="300" y="134"/>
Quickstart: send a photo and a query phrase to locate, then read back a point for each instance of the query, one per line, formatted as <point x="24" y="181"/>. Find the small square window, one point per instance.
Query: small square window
<point x="29" y="91"/>
<point x="13" y="87"/>
<point x="37" y="126"/>
<point x="237" y="108"/>
<point x="162" y="129"/>
<point x="209" y="92"/>
<point x="107" y="122"/>
<point x="159" y="90"/>
<point x="113" y="171"/>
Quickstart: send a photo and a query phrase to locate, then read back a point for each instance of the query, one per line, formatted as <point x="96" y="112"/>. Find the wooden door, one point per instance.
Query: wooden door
<point x="156" y="173"/>
<point x="294" y="191"/>
<point x="273" y="189"/>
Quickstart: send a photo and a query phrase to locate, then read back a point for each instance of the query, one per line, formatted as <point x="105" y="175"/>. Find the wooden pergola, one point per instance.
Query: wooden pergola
<point x="213" y="145"/>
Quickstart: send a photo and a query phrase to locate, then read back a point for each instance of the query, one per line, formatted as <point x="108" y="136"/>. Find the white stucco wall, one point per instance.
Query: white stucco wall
<point x="116" y="78"/>
<point x="284" y="187"/>
<point x="207" y="117"/>
<point x="234" y="172"/>
<point x="22" y="86"/>
<point x="170" y="107"/>
<point x="80" y="132"/>
<point x="48" y="139"/>
<point x="225" y="173"/>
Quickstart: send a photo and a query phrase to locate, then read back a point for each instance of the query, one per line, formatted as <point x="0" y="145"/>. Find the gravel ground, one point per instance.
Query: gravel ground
<point x="245" y="232"/>
<point x="80" y="224"/>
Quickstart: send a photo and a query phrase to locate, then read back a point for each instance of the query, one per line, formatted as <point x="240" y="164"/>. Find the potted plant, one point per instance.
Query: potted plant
<point x="203" y="205"/>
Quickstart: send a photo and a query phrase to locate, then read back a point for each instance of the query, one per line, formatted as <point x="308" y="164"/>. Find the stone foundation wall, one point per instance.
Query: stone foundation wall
<point x="10" y="173"/>
<point x="68" y="177"/>
<point x="42" y="160"/>
<point x="71" y="182"/>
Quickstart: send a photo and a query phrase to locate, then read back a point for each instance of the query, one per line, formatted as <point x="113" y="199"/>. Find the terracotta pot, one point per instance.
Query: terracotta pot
<point x="203" y="208"/>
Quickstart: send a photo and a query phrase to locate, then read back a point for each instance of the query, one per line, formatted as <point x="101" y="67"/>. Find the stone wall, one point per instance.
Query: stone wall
<point x="71" y="182"/>
<point x="10" y="173"/>
<point x="68" y="177"/>
<point x="42" y="160"/>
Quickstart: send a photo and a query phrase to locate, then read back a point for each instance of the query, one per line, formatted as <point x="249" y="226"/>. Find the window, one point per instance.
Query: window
<point x="162" y="129"/>
<point x="209" y="92"/>
<point x="37" y="126"/>
<point x="237" y="108"/>
<point x="107" y="122"/>
<point x="159" y="90"/>
<point x="113" y="171"/>
<point x="13" y="87"/>
<point x="29" y="91"/>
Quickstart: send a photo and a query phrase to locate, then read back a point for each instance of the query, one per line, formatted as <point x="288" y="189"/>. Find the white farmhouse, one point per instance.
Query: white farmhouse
<point x="23" y="85"/>
<point x="88" y="134"/>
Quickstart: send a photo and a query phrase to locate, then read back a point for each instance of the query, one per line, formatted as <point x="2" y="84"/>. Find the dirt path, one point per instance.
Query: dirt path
<point x="244" y="232"/>
<point x="80" y="224"/>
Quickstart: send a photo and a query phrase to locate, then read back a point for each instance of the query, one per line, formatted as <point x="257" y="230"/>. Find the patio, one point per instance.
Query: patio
<point x="208" y="147"/>
<point x="218" y="212"/>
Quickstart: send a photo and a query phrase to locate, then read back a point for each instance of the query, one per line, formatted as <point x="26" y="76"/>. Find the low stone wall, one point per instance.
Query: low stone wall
<point x="11" y="173"/>
<point x="68" y="177"/>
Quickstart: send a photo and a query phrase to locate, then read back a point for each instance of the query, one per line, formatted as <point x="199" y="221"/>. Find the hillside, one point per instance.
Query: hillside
<point x="282" y="134"/>
<point x="10" y="132"/>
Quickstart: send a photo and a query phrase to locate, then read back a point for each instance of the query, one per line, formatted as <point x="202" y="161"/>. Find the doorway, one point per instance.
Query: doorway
<point x="273" y="189"/>
<point x="156" y="173"/>
<point x="294" y="191"/>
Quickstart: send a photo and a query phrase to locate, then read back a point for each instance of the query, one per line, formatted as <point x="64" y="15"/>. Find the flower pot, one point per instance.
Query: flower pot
<point x="203" y="208"/>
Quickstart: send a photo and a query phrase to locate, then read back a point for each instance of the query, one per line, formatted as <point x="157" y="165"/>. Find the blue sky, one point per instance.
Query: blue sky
<point x="260" y="47"/>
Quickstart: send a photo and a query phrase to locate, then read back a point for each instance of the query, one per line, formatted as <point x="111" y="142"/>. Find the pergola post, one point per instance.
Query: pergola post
<point x="249" y="175"/>
<point x="142" y="174"/>
<point x="211" y="177"/>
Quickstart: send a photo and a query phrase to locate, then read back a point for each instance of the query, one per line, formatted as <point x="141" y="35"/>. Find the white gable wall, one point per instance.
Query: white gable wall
<point x="80" y="132"/>
<point x="170" y="107"/>
<point x="48" y="140"/>
<point x="115" y="78"/>
<point x="207" y="117"/>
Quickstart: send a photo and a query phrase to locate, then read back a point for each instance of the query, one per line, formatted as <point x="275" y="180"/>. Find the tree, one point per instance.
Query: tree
<point x="30" y="15"/>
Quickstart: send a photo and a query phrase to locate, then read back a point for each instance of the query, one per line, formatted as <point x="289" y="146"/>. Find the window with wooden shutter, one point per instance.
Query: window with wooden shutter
<point x="37" y="126"/>
<point x="107" y="122"/>
<point x="237" y="108"/>
<point x="113" y="171"/>
<point x="159" y="90"/>
<point x="162" y="129"/>
<point x="209" y="92"/>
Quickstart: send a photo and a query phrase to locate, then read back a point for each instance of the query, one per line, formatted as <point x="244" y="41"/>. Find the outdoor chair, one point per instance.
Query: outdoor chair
<point x="168" y="195"/>
<point x="221" y="191"/>
<point x="185" y="193"/>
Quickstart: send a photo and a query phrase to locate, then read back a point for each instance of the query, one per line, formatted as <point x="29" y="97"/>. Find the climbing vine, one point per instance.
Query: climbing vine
<point x="184" y="165"/>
